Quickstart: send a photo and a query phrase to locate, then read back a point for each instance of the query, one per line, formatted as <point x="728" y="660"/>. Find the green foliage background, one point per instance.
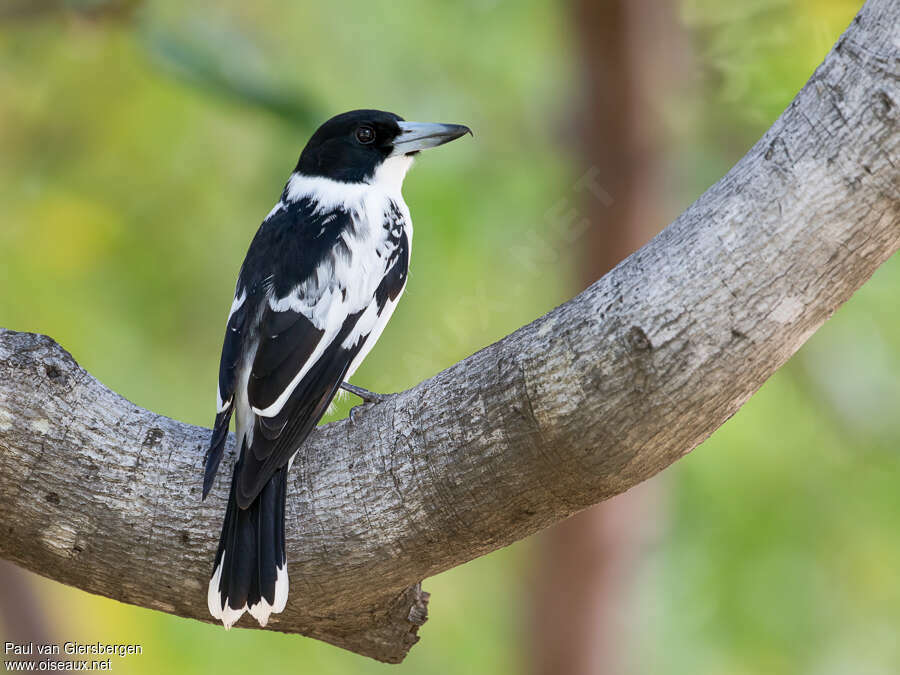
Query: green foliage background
<point x="140" y="149"/>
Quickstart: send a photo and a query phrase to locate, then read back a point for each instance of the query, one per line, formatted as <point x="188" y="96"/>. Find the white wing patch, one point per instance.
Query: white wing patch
<point x="222" y="406"/>
<point x="364" y="326"/>
<point x="237" y="303"/>
<point x="370" y="340"/>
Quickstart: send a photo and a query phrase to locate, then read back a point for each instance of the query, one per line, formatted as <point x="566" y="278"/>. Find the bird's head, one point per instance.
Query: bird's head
<point x="370" y="146"/>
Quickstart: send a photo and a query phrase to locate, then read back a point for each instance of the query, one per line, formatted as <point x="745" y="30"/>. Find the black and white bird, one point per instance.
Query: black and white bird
<point x="320" y="281"/>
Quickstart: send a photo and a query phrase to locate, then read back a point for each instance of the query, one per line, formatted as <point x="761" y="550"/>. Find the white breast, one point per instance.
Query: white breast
<point x="372" y="324"/>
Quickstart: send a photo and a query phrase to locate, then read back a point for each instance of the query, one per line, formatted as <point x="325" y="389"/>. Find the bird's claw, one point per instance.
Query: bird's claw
<point x="361" y="405"/>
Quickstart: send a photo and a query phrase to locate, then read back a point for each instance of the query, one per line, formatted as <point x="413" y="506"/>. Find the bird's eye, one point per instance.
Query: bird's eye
<point x="365" y="135"/>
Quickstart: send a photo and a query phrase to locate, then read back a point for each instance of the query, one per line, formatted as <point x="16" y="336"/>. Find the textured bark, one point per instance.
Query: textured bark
<point x="585" y="402"/>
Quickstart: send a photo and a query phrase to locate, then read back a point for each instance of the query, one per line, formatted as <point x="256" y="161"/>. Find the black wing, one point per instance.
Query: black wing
<point x="290" y="343"/>
<point x="279" y="359"/>
<point x="292" y="238"/>
<point x="232" y="350"/>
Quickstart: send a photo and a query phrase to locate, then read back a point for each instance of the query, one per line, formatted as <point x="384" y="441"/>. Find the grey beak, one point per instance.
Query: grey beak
<point x="415" y="136"/>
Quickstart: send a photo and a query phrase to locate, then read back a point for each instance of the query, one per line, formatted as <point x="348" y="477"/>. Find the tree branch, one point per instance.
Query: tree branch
<point x="578" y="406"/>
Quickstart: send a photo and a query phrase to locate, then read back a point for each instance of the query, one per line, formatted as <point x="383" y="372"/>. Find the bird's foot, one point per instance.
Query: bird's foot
<point x="368" y="397"/>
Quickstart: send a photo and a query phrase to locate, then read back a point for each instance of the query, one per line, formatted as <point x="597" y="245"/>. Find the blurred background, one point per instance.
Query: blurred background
<point x="141" y="143"/>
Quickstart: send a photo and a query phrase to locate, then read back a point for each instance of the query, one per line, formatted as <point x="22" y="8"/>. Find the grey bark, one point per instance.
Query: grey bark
<point x="581" y="404"/>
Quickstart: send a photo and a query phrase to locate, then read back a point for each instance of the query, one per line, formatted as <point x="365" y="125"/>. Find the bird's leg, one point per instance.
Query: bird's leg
<point x="364" y="394"/>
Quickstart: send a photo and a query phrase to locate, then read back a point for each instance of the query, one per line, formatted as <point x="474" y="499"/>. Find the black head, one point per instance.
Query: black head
<point x="350" y="147"/>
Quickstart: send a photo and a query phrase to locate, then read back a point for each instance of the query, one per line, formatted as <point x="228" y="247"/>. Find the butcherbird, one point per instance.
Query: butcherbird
<point x="320" y="281"/>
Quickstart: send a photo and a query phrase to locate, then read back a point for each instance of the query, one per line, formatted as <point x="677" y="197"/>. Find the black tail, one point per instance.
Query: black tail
<point x="250" y="571"/>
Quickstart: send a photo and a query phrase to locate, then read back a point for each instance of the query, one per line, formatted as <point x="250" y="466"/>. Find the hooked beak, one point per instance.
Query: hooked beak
<point x="415" y="136"/>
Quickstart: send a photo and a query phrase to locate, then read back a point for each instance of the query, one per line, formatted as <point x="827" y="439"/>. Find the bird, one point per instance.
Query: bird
<point x="320" y="280"/>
